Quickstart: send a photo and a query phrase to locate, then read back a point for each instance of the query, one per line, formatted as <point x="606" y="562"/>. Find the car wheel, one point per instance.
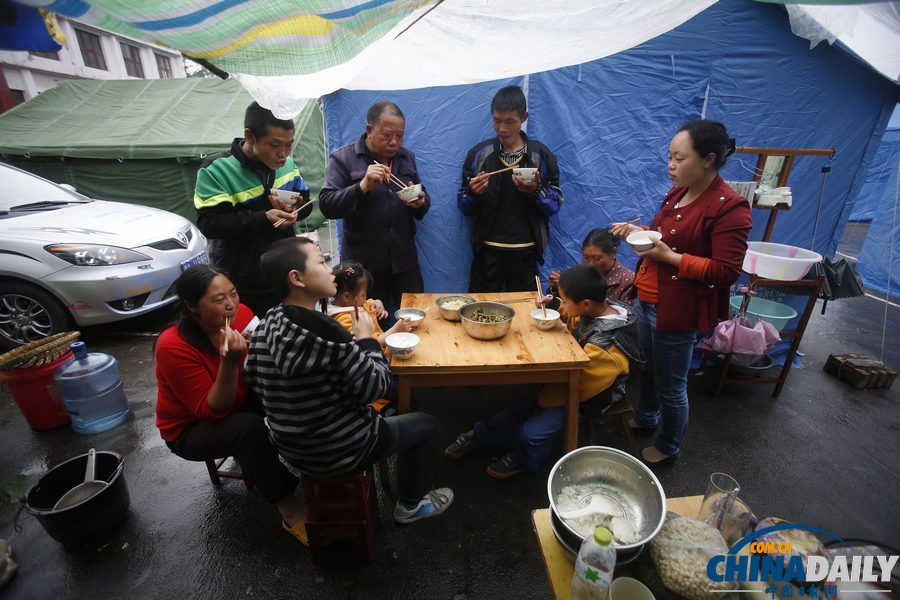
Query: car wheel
<point x="28" y="313"/>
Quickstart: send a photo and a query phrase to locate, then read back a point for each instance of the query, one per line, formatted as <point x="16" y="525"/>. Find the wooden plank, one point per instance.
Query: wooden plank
<point x="445" y="347"/>
<point x="786" y="151"/>
<point x="560" y="564"/>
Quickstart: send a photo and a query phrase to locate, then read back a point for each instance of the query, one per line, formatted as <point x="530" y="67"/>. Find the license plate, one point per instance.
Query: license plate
<point x="200" y="259"/>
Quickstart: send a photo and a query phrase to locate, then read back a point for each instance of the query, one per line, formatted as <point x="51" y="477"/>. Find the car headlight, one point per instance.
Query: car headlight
<point x="94" y="255"/>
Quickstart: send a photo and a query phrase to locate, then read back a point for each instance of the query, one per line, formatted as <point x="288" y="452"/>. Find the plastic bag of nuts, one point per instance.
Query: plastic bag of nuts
<point x="680" y="552"/>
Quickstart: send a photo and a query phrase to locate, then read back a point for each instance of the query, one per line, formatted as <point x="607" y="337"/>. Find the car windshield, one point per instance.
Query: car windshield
<point x="20" y="189"/>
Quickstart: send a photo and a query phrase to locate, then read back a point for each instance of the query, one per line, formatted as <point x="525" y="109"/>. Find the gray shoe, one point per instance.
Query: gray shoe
<point x="434" y="503"/>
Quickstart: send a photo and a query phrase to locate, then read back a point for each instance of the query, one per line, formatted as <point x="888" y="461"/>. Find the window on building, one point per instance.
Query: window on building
<point x="18" y="96"/>
<point x="91" y="49"/>
<point x="50" y="55"/>
<point x="165" y="66"/>
<point x="132" y="56"/>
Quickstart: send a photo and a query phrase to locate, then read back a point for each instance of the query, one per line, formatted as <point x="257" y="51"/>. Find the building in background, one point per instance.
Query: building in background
<point x="89" y="53"/>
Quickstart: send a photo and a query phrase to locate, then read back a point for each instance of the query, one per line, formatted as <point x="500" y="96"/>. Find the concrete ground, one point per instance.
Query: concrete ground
<point x="823" y="453"/>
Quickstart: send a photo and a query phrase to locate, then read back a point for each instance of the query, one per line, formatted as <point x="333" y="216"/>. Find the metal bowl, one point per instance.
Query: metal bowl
<point x="487" y="331"/>
<point x="619" y="478"/>
<point x="451" y="314"/>
<point x="571" y="542"/>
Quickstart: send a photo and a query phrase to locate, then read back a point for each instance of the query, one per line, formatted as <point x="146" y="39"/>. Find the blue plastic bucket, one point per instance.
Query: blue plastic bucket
<point x="776" y="313"/>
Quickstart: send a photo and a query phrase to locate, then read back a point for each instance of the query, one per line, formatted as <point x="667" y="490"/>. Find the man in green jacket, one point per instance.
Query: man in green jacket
<point x="236" y="209"/>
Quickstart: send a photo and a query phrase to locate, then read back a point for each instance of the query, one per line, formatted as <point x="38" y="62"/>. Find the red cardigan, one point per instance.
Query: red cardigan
<point x="711" y="234"/>
<point x="184" y="376"/>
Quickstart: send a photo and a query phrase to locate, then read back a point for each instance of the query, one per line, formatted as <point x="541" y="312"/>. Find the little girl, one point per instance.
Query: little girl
<point x="353" y="283"/>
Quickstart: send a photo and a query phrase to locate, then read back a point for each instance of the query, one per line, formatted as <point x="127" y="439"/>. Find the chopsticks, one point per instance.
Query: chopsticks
<point x="518" y="300"/>
<point x="507" y="168"/>
<point x="280" y="221"/>
<point x="394" y="178"/>
<point x="631" y="221"/>
<point x="537" y="282"/>
<point x="225" y="343"/>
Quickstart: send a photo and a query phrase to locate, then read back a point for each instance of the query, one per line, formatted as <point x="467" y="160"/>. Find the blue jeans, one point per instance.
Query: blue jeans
<point x="663" y="379"/>
<point x="535" y="429"/>
<point x="416" y="433"/>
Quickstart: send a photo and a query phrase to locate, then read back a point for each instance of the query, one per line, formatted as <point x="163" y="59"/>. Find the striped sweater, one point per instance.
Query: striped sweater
<point x="315" y="379"/>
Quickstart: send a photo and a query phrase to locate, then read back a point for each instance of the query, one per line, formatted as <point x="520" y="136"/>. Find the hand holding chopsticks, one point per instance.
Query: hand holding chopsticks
<point x="225" y="341"/>
<point x="621" y="230"/>
<point x="540" y="295"/>
<point x="281" y="221"/>
<point x="393" y="178"/>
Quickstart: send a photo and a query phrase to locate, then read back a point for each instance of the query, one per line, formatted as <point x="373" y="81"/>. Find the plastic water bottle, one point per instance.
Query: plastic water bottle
<point x="92" y="390"/>
<point x="594" y="566"/>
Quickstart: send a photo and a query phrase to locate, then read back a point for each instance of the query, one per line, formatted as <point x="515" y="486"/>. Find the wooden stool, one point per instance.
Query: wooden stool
<point x="340" y="507"/>
<point x="622" y="411"/>
<point x="214" y="466"/>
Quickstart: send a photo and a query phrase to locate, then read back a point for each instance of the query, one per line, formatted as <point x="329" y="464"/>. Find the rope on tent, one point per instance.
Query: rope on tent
<point x="747" y="167"/>
<point x="825" y="171"/>
<point x="887" y="294"/>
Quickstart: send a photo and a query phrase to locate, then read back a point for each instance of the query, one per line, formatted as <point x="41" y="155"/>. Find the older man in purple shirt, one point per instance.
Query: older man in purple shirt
<point x="379" y="228"/>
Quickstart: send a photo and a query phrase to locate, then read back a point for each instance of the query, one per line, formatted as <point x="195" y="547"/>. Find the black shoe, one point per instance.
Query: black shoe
<point x="462" y="446"/>
<point x="504" y="468"/>
<point x="655" y="458"/>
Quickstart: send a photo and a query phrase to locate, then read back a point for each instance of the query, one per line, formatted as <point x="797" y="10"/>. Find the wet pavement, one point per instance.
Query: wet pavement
<point x="823" y="453"/>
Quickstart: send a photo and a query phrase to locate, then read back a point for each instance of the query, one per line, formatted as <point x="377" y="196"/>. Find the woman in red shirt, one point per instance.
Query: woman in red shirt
<point x="204" y="409"/>
<point x="683" y="280"/>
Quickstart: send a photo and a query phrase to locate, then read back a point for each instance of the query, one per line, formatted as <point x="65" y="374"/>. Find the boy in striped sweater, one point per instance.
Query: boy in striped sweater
<point x="315" y="380"/>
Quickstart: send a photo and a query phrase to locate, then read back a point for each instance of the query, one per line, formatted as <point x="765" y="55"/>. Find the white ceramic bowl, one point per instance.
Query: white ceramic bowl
<point x="542" y="323"/>
<point x="413" y="315"/>
<point x="779" y="261"/>
<point x="525" y="173"/>
<point x="641" y="240"/>
<point x="288" y="197"/>
<point x="402" y="345"/>
<point x="409" y="194"/>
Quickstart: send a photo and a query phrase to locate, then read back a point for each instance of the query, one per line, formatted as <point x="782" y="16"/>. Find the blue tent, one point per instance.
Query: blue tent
<point x="879" y="259"/>
<point x="866" y="206"/>
<point x="610" y="122"/>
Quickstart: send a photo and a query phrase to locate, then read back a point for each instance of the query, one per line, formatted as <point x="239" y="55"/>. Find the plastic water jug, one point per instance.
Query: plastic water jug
<point x="92" y="390"/>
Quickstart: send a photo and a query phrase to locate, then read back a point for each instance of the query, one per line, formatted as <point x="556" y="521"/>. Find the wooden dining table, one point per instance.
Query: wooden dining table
<point x="447" y="356"/>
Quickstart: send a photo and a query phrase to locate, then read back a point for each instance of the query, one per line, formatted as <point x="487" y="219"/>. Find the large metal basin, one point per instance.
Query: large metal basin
<point x="487" y="331"/>
<point x="624" y="480"/>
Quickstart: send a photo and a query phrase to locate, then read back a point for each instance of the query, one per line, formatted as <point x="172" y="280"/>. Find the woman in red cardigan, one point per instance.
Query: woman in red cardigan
<point x="683" y="280"/>
<point x="204" y="409"/>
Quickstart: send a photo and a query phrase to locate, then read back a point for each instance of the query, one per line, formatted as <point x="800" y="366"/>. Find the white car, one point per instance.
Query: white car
<point x="66" y="259"/>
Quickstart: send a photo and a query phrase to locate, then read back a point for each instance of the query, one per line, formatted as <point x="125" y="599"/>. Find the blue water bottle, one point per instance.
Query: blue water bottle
<point x="92" y="390"/>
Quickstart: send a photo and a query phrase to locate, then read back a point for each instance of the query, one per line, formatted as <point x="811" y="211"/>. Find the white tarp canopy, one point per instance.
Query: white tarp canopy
<point x="871" y="31"/>
<point x="470" y="41"/>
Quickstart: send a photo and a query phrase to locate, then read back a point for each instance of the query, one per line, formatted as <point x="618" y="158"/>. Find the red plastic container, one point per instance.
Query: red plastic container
<point x="36" y="394"/>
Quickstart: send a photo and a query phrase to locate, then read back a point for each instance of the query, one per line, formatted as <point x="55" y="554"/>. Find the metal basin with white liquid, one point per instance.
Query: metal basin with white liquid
<point x="613" y="486"/>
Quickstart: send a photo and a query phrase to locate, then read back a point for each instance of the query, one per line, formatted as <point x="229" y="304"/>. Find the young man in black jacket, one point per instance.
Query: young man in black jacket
<point x="511" y="211"/>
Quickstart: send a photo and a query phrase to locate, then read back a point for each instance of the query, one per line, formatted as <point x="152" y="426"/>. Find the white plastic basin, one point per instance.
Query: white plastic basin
<point x="779" y="261"/>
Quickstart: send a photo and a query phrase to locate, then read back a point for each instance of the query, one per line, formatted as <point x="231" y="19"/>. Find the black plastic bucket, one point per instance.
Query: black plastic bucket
<point x="89" y="520"/>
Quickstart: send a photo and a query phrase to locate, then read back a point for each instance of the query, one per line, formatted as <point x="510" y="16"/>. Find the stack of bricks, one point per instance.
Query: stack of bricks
<point x="860" y="371"/>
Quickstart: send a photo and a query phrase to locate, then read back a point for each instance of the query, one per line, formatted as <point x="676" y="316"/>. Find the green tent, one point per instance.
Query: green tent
<point x="143" y="141"/>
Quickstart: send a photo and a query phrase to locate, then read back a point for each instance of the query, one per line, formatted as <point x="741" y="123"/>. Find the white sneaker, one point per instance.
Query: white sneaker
<point x="434" y="503"/>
